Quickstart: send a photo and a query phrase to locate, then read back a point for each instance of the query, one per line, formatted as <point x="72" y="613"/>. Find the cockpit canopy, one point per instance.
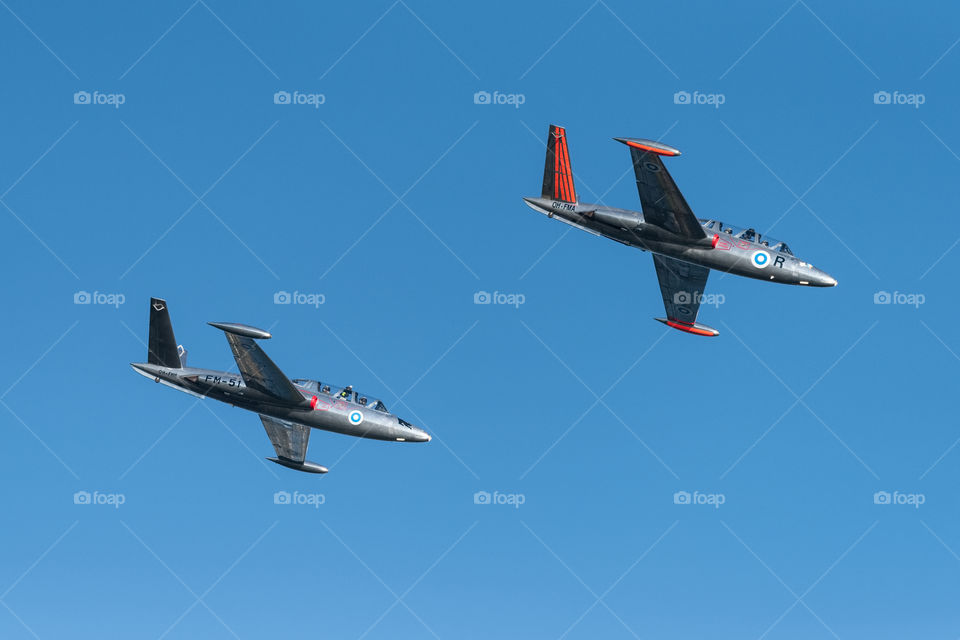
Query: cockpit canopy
<point x="750" y="235"/>
<point x="344" y="393"/>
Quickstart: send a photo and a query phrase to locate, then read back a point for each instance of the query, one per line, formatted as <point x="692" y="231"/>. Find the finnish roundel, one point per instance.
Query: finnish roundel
<point x="356" y="417"/>
<point x="760" y="259"/>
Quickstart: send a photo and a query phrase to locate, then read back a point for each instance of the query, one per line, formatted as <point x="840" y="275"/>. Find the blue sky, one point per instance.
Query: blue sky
<point x="392" y="196"/>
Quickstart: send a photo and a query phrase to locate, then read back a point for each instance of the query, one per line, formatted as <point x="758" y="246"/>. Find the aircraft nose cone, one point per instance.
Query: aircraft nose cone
<point x="823" y="279"/>
<point x="419" y="435"/>
<point x="813" y="277"/>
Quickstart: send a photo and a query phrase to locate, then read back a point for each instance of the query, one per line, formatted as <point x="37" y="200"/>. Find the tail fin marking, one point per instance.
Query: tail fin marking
<point x="162" y="346"/>
<point x="558" y="178"/>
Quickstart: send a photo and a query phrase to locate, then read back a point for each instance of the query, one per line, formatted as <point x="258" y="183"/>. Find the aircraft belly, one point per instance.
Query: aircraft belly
<point x="372" y="426"/>
<point x="734" y="262"/>
<point x="182" y="388"/>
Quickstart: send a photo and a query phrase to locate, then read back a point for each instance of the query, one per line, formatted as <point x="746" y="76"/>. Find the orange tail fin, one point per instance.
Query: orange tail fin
<point x="557" y="174"/>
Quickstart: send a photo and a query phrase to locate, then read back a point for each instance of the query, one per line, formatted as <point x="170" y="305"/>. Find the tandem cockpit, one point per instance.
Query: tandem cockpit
<point x="346" y="393"/>
<point x="750" y="235"/>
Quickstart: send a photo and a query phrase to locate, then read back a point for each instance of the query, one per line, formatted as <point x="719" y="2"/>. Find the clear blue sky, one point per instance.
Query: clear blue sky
<point x="398" y="199"/>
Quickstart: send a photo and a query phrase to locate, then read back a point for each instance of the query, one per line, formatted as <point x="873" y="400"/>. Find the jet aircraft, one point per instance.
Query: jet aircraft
<point x="685" y="248"/>
<point x="287" y="408"/>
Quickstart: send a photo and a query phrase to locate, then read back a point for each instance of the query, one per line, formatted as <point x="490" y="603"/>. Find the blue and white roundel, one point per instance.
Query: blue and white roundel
<point x="760" y="259"/>
<point x="356" y="417"/>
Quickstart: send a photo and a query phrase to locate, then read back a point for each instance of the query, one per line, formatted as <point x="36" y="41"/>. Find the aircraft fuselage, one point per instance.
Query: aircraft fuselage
<point x="719" y="250"/>
<point x="318" y="411"/>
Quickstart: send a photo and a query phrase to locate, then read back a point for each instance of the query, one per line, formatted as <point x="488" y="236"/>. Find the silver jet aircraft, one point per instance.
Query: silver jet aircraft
<point x="287" y="408"/>
<point x="684" y="247"/>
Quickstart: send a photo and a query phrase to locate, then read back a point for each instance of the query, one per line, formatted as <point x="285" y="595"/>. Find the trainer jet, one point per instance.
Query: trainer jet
<point x="287" y="408"/>
<point x="684" y="247"/>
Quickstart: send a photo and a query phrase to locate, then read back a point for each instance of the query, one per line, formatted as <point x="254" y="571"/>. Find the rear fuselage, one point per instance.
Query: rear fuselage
<point x="719" y="250"/>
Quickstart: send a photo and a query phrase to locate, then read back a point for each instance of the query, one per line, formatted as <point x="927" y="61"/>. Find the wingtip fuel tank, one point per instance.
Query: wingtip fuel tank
<point x="241" y="330"/>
